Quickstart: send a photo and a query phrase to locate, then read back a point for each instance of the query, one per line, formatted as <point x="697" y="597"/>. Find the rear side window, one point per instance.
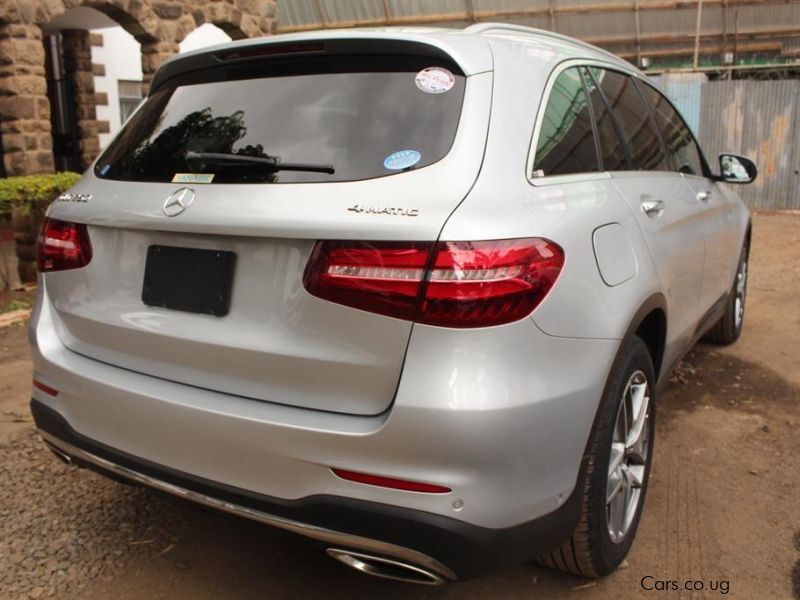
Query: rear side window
<point x="566" y="138"/>
<point x="678" y="139"/>
<point x="363" y="118"/>
<point x="611" y="146"/>
<point x="633" y="119"/>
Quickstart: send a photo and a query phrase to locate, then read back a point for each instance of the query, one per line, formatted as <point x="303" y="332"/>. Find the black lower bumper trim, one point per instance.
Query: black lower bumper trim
<point x="468" y="550"/>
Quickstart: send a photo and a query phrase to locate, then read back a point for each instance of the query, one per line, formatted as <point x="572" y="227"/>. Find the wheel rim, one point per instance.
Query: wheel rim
<point x="741" y="293"/>
<point x="627" y="464"/>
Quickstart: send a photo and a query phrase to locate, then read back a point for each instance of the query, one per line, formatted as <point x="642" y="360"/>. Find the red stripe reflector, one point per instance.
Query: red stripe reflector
<point x="45" y="388"/>
<point x="388" y="482"/>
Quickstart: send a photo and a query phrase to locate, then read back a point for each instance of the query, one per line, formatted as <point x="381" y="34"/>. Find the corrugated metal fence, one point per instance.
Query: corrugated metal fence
<point x="760" y="119"/>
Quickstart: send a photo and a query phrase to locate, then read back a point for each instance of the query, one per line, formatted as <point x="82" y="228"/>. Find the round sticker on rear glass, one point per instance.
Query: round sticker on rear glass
<point x="403" y="159"/>
<point x="435" y="80"/>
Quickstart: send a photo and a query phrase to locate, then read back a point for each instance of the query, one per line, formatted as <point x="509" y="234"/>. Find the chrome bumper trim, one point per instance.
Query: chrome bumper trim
<point x="311" y="531"/>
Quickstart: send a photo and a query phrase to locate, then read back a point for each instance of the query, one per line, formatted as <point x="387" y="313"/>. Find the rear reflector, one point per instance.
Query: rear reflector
<point x="45" y="388"/>
<point x="389" y="482"/>
<point x="451" y="284"/>
<point x="63" y="246"/>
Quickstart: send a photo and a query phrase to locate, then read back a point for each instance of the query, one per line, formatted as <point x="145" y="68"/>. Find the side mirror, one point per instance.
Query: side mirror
<point x="736" y="169"/>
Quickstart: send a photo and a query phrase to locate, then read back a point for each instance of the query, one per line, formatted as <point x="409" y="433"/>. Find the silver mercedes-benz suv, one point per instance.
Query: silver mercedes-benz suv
<point x="409" y="292"/>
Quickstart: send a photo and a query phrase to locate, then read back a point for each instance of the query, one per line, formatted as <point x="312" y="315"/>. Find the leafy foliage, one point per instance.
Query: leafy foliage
<point x="28" y="190"/>
<point x="16" y="305"/>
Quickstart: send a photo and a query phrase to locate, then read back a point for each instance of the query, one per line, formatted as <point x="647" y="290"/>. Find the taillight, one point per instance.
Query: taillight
<point x="477" y="284"/>
<point x="451" y="284"/>
<point x="63" y="245"/>
<point x="381" y="277"/>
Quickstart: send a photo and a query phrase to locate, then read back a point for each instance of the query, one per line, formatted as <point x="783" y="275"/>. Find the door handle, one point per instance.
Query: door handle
<point x="704" y="196"/>
<point x="653" y="208"/>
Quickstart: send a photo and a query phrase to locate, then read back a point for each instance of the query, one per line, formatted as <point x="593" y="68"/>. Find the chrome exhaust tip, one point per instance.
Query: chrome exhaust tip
<point x="60" y="454"/>
<point x="387" y="568"/>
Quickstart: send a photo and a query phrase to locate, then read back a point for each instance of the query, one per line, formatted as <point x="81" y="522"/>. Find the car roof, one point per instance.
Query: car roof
<point x="468" y="47"/>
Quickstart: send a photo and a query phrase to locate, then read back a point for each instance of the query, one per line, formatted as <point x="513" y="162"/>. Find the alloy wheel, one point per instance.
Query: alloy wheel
<point x="628" y="461"/>
<point x="741" y="293"/>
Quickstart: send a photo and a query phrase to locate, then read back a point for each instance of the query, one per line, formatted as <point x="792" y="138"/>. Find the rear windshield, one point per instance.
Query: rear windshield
<point x="339" y="121"/>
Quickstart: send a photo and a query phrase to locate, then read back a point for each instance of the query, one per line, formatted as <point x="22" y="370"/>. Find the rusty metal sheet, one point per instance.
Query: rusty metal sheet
<point x="759" y="119"/>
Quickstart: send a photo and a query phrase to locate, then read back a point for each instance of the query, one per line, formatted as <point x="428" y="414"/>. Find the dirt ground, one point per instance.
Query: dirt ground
<point x="722" y="509"/>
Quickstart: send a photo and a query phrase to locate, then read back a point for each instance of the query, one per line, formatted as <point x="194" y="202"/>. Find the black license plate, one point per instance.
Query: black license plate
<point x="189" y="279"/>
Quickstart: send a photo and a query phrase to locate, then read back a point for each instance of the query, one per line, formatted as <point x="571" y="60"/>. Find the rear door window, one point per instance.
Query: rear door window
<point x="363" y="119"/>
<point x="680" y="143"/>
<point x="566" y="139"/>
<point x="633" y="119"/>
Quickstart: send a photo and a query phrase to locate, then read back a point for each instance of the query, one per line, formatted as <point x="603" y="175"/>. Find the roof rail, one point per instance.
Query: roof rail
<point x="489" y="27"/>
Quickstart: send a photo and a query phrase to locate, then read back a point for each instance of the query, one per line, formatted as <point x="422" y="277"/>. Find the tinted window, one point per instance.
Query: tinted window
<point x="566" y="139"/>
<point x="612" y="150"/>
<point x="678" y="139"/>
<point x="633" y="118"/>
<point x="349" y="115"/>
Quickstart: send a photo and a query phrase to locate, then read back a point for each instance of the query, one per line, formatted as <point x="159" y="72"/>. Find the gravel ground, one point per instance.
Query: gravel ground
<point x="61" y="527"/>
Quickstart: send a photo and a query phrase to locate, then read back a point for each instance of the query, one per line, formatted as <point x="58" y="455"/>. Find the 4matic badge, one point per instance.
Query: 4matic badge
<point x="379" y="210"/>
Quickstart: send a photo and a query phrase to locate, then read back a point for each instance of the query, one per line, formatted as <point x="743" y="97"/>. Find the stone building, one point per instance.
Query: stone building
<point x="47" y="95"/>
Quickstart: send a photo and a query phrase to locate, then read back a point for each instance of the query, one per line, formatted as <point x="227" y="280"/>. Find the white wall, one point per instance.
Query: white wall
<point x="122" y="57"/>
<point x="205" y="35"/>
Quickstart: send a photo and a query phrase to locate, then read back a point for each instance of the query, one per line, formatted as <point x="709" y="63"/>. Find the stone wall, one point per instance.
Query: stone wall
<point x="24" y="106"/>
<point x="158" y="25"/>
<point x="78" y="66"/>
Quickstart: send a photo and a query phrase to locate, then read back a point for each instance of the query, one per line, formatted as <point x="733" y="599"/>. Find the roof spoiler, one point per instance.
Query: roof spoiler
<point x="240" y="54"/>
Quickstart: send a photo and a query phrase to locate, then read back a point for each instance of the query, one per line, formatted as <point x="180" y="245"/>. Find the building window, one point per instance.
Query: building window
<point x="130" y="95"/>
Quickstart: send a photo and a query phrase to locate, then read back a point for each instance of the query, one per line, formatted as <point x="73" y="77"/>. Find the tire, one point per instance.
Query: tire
<point x="728" y="329"/>
<point x="591" y="551"/>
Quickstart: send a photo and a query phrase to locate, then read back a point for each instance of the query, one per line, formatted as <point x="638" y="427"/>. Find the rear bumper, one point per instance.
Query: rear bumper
<point x="498" y="415"/>
<point x="449" y="548"/>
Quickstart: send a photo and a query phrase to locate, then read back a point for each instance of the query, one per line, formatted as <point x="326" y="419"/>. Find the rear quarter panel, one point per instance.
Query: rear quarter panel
<point x="565" y="209"/>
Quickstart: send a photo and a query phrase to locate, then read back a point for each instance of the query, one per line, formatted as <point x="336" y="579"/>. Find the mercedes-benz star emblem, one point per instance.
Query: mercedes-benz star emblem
<point x="178" y="201"/>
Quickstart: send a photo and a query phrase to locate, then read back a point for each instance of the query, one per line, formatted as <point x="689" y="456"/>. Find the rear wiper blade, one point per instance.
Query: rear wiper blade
<point x="270" y="163"/>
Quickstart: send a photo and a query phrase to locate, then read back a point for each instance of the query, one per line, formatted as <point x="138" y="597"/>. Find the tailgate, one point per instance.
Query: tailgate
<point x="276" y="343"/>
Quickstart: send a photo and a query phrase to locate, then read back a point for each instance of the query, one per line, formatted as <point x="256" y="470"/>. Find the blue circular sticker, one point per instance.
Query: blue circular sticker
<point x="402" y="159"/>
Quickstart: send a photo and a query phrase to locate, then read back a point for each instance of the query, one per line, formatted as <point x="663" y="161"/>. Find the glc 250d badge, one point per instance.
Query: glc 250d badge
<point x="70" y="197"/>
<point x="378" y="210"/>
<point x="178" y="201"/>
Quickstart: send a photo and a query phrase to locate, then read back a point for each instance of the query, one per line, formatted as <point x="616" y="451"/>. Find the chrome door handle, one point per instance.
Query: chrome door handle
<point x="653" y="208"/>
<point x="704" y="196"/>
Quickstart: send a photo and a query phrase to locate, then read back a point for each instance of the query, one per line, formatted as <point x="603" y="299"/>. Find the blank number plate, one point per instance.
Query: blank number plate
<point x="189" y="279"/>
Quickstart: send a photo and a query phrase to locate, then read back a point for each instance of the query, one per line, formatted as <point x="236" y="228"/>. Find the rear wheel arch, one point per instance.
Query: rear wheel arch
<point x="590" y="551"/>
<point x="653" y="330"/>
<point x="652" y="317"/>
<point x="650" y="324"/>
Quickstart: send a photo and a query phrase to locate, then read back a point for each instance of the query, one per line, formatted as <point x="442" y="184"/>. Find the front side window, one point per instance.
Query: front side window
<point x="679" y="141"/>
<point x="333" y="119"/>
<point x="566" y="139"/>
<point x="633" y="119"/>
